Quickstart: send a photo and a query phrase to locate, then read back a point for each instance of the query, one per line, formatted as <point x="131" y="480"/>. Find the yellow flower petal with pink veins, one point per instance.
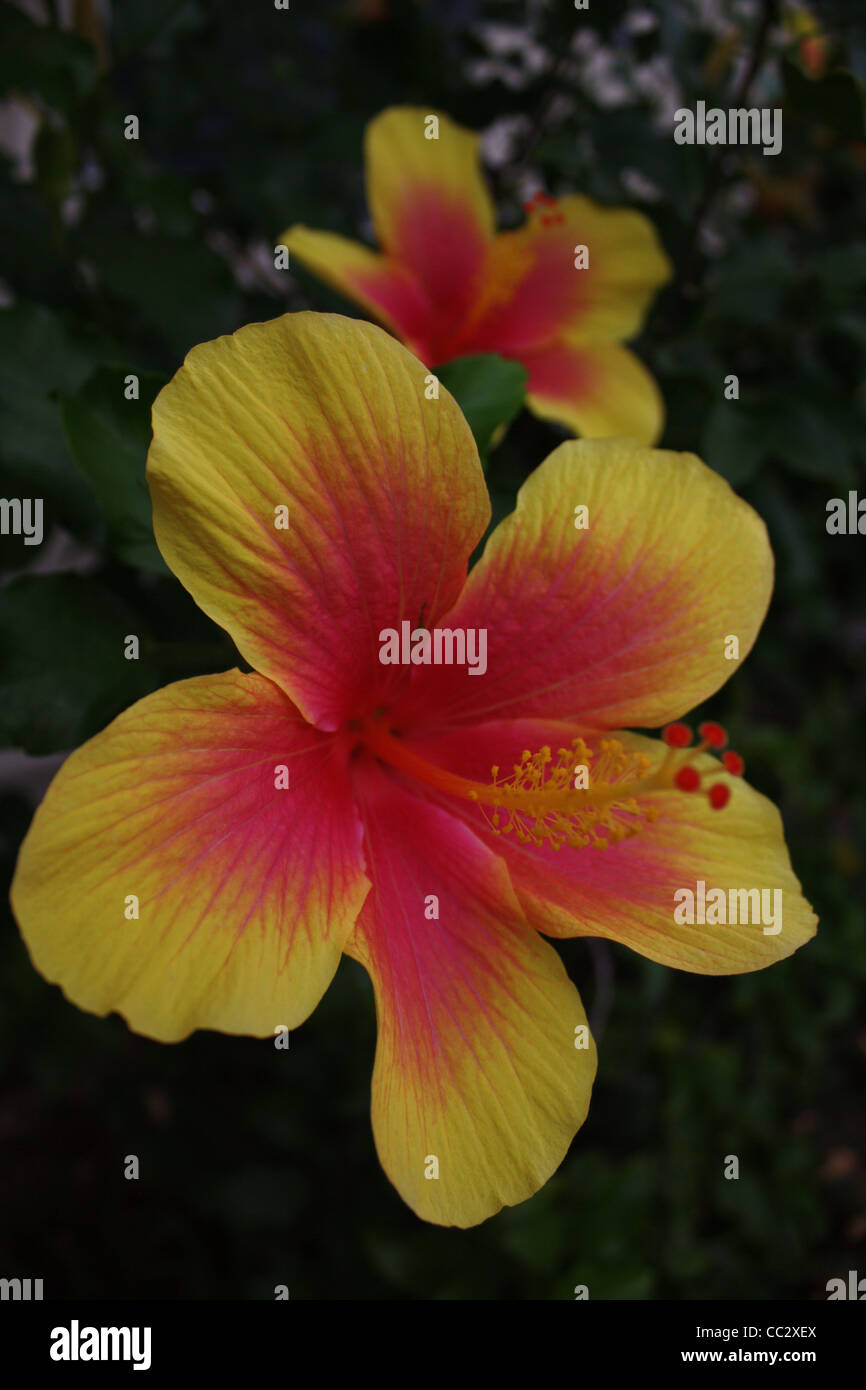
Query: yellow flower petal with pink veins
<point x="434" y="220"/>
<point x="308" y="494"/>
<point x="600" y="391"/>
<point x="576" y="271"/>
<point x="196" y="865"/>
<point x="386" y="289"/>
<point x="627" y="267"/>
<point x="608" y="596"/>
<point x="631" y="896"/>
<point x="484" y="1062"/>
<point x="557" y="295"/>
<point x="430" y="206"/>
<point x="670" y="842"/>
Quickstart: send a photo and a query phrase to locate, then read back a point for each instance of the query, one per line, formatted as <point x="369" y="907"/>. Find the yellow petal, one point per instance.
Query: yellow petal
<point x="641" y="891"/>
<point x="576" y="272"/>
<point x="384" y="287"/>
<point x="484" y="1061"/>
<point x="602" y="391"/>
<point x="411" y="177"/>
<point x="625" y="588"/>
<point x="308" y="494"/>
<point x="627" y="268"/>
<point x="168" y="874"/>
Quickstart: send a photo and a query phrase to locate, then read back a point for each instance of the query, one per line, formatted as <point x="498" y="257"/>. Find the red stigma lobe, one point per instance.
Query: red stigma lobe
<point x="677" y="735"/>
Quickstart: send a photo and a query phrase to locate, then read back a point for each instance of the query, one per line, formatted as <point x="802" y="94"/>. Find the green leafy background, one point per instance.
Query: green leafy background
<point x="116" y="256"/>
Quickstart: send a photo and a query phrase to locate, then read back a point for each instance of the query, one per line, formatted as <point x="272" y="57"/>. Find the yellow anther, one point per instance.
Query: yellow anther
<point x="541" y="804"/>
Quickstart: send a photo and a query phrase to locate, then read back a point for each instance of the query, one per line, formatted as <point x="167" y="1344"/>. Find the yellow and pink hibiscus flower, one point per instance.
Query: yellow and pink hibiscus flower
<point x="425" y="819"/>
<point x="449" y="286"/>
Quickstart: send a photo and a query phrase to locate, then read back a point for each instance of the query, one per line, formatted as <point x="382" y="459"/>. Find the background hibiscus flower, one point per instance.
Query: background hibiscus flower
<point x="558" y="296"/>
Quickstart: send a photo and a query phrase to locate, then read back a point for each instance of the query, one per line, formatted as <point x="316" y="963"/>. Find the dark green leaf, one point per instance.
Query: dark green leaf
<point x="109" y="437"/>
<point x="63" y="673"/>
<point x="39" y="58"/>
<point x="750" y="284"/>
<point x="56" y="156"/>
<point x="808" y="435"/>
<point x="804" y="436"/>
<point x="33" y="250"/>
<point x="732" y="442"/>
<point x="842" y="269"/>
<point x="181" y="288"/>
<point x="489" y="391"/>
<point x="40" y="357"/>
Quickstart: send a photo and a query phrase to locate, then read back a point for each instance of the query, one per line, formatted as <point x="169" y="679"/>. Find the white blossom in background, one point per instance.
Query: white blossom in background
<point x="19" y="122"/>
<point x="72" y="209"/>
<point x="502" y="139"/>
<point x="711" y="241"/>
<point x="741" y="197"/>
<point x="713" y="16"/>
<point x="515" y="58"/>
<point x="252" y="264"/>
<point x="638" y="22"/>
<point x="639" y="187"/>
<point x="503" y="39"/>
<point x="599" y="71"/>
<point x="656" y="81"/>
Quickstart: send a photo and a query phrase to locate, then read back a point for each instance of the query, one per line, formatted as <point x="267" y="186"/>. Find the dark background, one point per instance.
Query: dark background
<point x="257" y="1166"/>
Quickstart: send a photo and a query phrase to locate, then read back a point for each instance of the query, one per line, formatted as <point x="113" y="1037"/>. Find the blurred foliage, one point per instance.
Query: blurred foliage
<point x="118" y="255"/>
<point x="490" y="392"/>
